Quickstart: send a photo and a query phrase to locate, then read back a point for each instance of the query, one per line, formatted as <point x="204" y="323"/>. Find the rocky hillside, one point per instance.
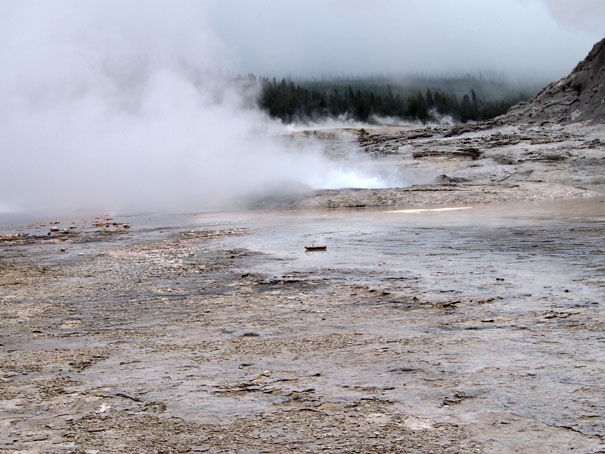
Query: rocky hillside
<point x="578" y="97"/>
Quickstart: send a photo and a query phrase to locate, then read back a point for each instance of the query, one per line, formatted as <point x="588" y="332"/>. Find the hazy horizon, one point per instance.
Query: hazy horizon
<point x="536" y="39"/>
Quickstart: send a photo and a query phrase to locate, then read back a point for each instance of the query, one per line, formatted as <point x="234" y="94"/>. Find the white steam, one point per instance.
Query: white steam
<point x="122" y="105"/>
<point x="342" y="178"/>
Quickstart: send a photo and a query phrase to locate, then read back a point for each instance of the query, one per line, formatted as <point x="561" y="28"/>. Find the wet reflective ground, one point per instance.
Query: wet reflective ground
<point x="475" y="330"/>
<point x="538" y="248"/>
<point x="520" y="287"/>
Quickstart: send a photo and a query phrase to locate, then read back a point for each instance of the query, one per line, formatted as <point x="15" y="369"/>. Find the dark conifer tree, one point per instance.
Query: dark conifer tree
<point x="291" y="102"/>
<point x="466" y="109"/>
<point x="430" y="102"/>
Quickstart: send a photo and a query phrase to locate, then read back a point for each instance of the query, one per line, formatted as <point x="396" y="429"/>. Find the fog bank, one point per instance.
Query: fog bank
<point x="131" y="105"/>
<point x="537" y="39"/>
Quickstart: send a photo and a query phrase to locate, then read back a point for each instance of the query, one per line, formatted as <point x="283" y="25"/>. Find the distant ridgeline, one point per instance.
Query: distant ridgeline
<point x="424" y="99"/>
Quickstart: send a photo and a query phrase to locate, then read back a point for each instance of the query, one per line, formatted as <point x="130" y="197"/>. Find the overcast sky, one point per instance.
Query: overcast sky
<point x="543" y="38"/>
<point x="540" y="38"/>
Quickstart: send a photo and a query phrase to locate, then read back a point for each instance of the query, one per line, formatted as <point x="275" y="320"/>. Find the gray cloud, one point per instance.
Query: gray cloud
<point x="583" y="15"/>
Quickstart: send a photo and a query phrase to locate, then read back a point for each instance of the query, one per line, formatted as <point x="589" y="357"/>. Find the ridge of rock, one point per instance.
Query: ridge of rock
<point x="578" y="97"/>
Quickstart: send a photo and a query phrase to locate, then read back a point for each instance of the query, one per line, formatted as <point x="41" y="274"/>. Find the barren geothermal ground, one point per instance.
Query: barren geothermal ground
<point x="476" y="330"/>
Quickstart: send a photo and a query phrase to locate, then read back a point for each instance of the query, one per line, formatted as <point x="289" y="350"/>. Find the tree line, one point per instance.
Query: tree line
<point x="292" y="102"/>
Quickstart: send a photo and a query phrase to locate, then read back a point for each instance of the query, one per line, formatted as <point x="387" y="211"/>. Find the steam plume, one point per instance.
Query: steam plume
<point x="131" y="105"/>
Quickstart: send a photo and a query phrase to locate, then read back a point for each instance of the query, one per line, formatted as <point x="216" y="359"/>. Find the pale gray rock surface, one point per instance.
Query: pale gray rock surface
<point x="578" y="97"/>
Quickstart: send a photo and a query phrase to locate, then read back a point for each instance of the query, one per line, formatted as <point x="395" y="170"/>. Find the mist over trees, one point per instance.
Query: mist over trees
<point x="367" y="99"/>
